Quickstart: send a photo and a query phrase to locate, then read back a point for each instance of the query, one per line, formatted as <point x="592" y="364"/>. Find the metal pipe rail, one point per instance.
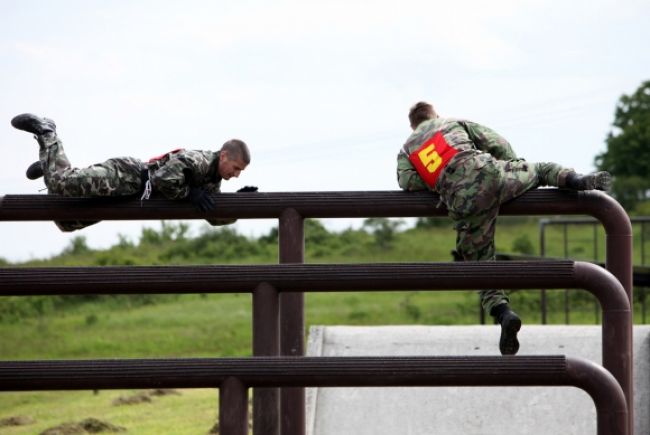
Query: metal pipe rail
<point x="266" y="281"/>
<point x="233" y="376"/>
<point x="290" y="208"/>
<point x="331" y="205"/>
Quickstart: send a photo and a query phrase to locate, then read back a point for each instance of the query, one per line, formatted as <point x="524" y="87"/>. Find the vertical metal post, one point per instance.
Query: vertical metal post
<point x="292" y="321"/>
<point x="618" y="260"/>
<point x="233" y="407"/>
<point x="266" y="342"/>
<point x="596" y="304"/>
<point x="642" y="243"/>
<point x="567" y="320"/>
<point x="617" y="354"/>
<point x="643" y="308"/>
<point x="542" y="253"/>
<point x="643" y="289"/>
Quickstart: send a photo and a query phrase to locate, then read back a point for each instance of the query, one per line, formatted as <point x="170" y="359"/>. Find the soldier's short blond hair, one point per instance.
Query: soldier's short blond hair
<point x="419" y="112"/>
<point x="237" y="150"/>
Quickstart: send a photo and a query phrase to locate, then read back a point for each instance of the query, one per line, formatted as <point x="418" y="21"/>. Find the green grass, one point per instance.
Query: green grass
<point x="192" y="412"/>
<point x="191" y="325"/>
<point x="219" y="325"/>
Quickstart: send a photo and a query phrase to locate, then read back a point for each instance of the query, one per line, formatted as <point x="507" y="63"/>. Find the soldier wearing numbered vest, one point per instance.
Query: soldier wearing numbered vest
<point x="179" y="174"/>
<point x="475" y="170"/>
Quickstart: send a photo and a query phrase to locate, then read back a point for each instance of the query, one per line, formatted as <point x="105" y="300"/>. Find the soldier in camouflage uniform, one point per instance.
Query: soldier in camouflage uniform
<point x="475" y="170"/>
<point x="179" y="174"/>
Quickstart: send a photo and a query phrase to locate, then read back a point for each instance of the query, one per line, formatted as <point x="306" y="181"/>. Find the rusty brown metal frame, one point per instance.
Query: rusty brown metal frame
<point x="233" y="377"/>
<point x="266" y="282"/>
<point x="292" y="207"/>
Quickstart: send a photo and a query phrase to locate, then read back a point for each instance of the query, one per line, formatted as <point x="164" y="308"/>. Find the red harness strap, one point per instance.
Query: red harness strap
<point x="155" y="159"/>
<point x="431" y="158"/>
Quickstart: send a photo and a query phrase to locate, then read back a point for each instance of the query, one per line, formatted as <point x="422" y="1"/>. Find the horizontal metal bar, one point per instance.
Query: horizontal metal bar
<point x="282" y="371"/>
<point x="327" y="372"/>
<point x="586" y="221"/>
<point x="20" y="281"/>
<point x="285" y="277"/>
<point x="640" y="274"/>
<point x="332" y="204"/>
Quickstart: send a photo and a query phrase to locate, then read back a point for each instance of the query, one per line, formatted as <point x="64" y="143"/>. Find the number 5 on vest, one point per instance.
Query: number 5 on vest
<point x="430" y="158"/>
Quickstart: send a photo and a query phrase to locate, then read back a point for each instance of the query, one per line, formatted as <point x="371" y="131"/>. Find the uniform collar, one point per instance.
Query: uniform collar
<point x="213" y="173"/>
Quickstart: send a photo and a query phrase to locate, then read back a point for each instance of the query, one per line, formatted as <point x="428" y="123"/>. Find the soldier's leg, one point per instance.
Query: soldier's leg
<point x="54" y="161"/>
<point x="473" y="204"/>
<point x="518" y="176"/>
<point x="44" y="131"/>
<point x="53" y="164"/>
<point x="552" y="174"/>
<point x="475" y="242"/>
<point x="114" y="177"/>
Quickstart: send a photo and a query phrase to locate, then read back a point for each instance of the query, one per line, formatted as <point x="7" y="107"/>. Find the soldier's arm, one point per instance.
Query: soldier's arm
<point x="407" y="176"/>
<point x="216" y="188"/>
<point x="489" y="141"/>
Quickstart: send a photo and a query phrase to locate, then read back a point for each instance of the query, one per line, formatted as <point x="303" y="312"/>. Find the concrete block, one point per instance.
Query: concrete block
<point x="465" y="410"/>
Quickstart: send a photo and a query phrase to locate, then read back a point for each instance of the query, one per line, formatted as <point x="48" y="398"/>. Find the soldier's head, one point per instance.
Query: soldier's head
<point x="233" y="158"/>
<point x="421" y="111"/>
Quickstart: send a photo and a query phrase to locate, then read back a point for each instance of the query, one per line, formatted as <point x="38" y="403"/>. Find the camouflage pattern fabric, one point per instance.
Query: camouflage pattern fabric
<point x="168" y="174"/>
<point x="482" y="176"/>
<point x="123" y="176"/>
<point x="114" y="177"/>
<point x="68" y="226"/>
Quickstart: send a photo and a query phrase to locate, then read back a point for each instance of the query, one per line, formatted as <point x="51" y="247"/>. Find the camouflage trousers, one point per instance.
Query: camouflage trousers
<point x="114" y="177"/>
<point x="474" y="189"/>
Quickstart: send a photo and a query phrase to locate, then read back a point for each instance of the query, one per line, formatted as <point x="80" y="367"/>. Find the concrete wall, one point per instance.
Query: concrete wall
<point x="465" y="410"/>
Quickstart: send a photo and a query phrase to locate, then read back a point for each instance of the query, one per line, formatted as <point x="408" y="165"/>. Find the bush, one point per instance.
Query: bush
<point x="523" y="245"/>
<point x="383" y="229"/>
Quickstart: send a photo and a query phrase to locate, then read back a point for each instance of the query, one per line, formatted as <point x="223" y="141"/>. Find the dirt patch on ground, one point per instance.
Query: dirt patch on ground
<point x="64" y="429"/>
<point x="164" y="392"/>
<point x="89" y="425"/>
<point x="17" y="420"/>
<point x="144" y="396"/>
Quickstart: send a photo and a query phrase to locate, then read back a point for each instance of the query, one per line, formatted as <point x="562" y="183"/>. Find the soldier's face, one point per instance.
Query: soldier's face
<point x="229" y="168"/>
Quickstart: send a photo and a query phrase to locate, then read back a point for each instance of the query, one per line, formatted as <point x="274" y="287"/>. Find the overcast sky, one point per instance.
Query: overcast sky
<point x="314" y="88"/>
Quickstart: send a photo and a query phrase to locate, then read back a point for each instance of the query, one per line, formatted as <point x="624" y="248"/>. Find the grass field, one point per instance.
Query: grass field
<point x="220" y="325"/>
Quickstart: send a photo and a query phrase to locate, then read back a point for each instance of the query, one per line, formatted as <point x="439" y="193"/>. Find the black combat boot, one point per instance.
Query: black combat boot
<point x="35" y="170"/>
<point x="595" y="181"/>
<point x="33" y="124"/>
<point x="510" y="325"/>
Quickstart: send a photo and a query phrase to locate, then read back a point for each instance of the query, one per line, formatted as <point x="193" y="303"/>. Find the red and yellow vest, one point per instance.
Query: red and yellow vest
<point x="430" y="158"/>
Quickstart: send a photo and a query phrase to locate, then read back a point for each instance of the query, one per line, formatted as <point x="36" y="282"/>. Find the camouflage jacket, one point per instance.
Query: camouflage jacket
<point x="469" y="138"/>
<point x="175" y="173"/>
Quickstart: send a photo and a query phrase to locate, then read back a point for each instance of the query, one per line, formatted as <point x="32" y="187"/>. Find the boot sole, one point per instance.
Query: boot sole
<point x="508" y="343"/>
<point x="33" y="124"/>
<point x="599" y="181"/>
<point x="35" y="171"/>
